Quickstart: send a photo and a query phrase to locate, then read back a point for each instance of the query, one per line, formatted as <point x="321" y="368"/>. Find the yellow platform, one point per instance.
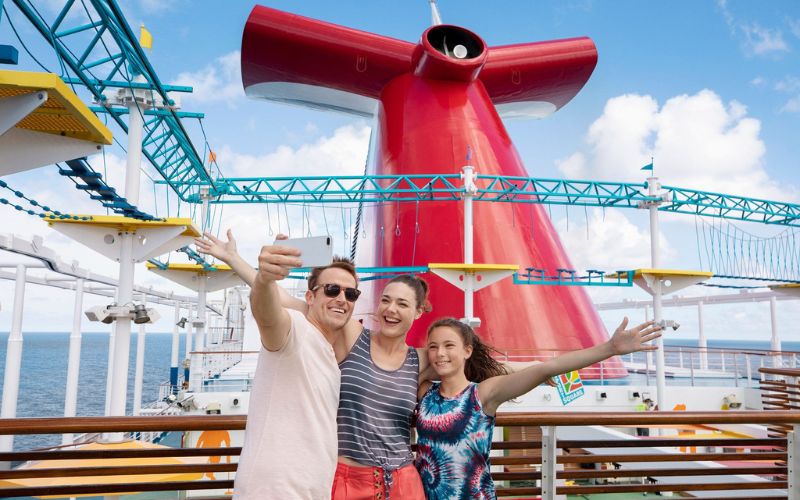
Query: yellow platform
<point x="191" y="268"/>
<point x="787" y="289"/>
<point x="482" y="275"/>
<point x="196" y="277"/>
<point x="131" y="225"/>
<point x="42" y="122"/>
<point x="64" y="114"/>
<point x="104" y="234"/>
<point x="671" y="280"/>
<point x="474" y="267"/>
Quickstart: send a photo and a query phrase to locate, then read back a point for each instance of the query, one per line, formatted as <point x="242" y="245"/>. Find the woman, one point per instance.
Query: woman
<point x="380" y="376"/>
<point x="457" y="414"/>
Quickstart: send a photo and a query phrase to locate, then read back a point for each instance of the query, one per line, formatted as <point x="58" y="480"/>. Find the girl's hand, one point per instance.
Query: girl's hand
<point x="210" y="245"/>
<point x="636" y="339"/>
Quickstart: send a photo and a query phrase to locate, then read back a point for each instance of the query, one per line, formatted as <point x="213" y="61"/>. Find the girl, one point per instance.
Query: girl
<point x="380" y="376"/>
<point x="457" y="414"/>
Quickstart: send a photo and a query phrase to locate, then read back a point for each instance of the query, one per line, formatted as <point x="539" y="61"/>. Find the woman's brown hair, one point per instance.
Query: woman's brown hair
<point x="420" y="287"/>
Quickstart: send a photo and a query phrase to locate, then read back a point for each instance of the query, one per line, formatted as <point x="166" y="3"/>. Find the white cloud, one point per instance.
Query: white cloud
<point x="792" y="105"/>
<point x="758" y="81"/>
<point x="218" y="81"/>
<point x="159" y="6"/>
<point x="697" y="141"/>
<point x="762" y="41"/>
<point x="788" y="84"/>
<point x="342" y="153"/>
<point x="610" y="243"/>
<point x="756" y="40"/>
<point x="794" y="26"/>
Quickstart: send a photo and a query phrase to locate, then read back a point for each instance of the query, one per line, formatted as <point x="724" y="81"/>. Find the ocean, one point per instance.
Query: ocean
<point x="44" y="371"/>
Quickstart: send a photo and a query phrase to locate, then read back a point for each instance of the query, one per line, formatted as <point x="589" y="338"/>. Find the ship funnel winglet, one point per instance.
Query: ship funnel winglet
<point x="436" y="19"/>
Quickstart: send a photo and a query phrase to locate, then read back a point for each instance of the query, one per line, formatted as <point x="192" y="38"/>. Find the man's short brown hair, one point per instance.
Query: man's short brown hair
<point x="338" y="263"/>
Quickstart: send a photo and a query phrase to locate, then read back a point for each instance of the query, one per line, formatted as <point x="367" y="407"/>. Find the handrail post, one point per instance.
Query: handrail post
<point x="736" y="369"/>
<point x="691" y="366"/>
<point x="749" y="370"/>
<point x="792" y="456"/>
<point x="549" y="453"/>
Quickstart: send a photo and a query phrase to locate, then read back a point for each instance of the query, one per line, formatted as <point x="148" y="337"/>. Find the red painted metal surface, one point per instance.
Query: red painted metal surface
<point x="432" y="108"/>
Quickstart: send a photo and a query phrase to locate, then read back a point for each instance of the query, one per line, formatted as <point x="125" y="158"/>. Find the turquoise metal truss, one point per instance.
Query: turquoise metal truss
<point x="406" y="188"/>
<point x="93" y="40"/>
<point x="570" y="277"/>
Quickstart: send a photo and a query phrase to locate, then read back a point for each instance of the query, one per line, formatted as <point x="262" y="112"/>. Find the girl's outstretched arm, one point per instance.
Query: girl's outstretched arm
<point x="497" y="390"/>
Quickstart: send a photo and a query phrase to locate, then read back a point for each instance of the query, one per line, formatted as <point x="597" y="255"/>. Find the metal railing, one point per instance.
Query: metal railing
<point x="684" y="366"/>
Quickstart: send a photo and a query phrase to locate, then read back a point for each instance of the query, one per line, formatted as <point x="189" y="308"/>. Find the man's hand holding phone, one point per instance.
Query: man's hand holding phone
<point x="275" y="262"/>
<point x="278" y="259"/>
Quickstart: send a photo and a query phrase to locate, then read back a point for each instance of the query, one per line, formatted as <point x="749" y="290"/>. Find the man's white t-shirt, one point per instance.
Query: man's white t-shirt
<point x="290" y="443"/>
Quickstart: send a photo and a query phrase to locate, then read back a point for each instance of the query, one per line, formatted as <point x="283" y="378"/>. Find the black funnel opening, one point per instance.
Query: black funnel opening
<point x="454" y="42"/>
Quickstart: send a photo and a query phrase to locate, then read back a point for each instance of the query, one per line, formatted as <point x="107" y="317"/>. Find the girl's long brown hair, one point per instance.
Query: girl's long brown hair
<point x="480" y="365"/>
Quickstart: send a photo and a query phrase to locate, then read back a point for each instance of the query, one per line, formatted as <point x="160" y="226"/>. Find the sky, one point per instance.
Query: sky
<point x="710" y="89"/>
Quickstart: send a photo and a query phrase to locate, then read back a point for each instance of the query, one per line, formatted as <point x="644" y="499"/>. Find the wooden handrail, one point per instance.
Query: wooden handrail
<point x="62" y="425"/>
<point x="101" y="489"/>
<point x="61" y="454"/>
<point x="786" y="372"/>
<point x="125" y="470"/>
<point x="771" y="472"/>
<point x="19" y="426"/>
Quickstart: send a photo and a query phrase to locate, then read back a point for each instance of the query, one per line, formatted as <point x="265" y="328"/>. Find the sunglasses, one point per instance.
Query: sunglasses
<point x="332" y="290"/>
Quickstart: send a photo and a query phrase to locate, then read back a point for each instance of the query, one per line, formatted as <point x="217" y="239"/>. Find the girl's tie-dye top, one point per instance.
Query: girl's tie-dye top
<point x="454" y="437"/>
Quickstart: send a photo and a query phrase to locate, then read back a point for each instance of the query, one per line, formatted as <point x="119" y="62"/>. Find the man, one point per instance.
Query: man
<point x="290" y="441"/>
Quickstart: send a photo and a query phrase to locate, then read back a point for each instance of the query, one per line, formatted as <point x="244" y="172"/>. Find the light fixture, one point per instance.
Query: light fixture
<point x="182" y="323"/>
<point x="140" y="315"/>
<point x="101" y="313"/>
<point x="731" y="402"/>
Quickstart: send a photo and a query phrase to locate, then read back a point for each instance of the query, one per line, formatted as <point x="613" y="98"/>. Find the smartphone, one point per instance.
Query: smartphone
<point x="315" y="251"/>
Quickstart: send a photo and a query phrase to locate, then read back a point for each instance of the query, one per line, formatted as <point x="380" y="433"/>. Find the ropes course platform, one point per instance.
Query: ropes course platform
<point x="669" y="280"/>
<point x="189" y="275"/>
<point x="42" y="122"/>
<point x="151" y="238"/>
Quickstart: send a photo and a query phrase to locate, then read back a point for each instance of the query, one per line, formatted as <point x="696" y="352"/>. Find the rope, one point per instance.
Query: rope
<point x="731" y="251"/>
<point x="45" y="212"/>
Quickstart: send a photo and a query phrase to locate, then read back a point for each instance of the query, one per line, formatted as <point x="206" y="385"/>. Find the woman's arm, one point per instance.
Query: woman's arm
<point x="226" y="252"/>
<point x="497" y="390"/>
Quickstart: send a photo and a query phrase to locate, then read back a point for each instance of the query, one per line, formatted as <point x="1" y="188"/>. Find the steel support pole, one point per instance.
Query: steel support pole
<point x="775" y="341"/>
<point x="196" y="365"/>
<point x="469" y="277"/>
<point x="74" y="360"/>
<point x="648" y="354"/>
<point x="112" y="337"/>
<point x="188" y="344"/>
<point x="655" y="258"/>
<point x="122" y="344"/>
<point x="196" y="362"/>
<point x="176" y="340"/>
<point x="139" y="373"/>
<point x="702" y="344"/>
<point x="792" y="457"/>
<point x="13" y="359"/>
